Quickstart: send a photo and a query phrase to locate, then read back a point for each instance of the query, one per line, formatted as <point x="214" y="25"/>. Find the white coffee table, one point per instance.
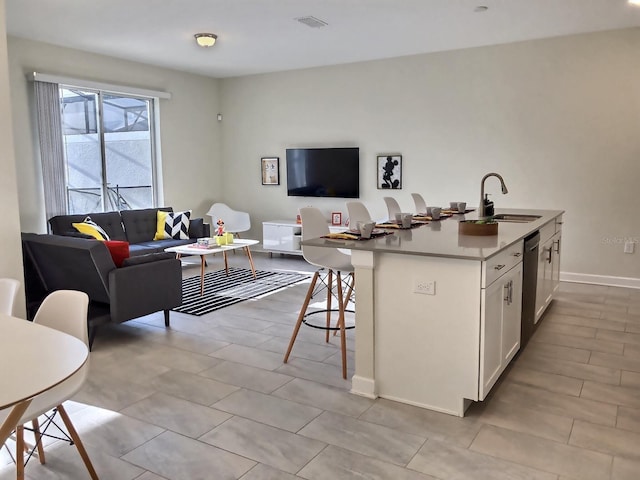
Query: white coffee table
<point x="203" y="252"/>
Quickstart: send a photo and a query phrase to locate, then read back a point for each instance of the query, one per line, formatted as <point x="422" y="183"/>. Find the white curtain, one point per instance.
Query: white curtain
<point x="51" y="148"/>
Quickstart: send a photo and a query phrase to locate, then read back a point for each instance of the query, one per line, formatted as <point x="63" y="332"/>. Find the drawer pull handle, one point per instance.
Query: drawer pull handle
<point x="499" y="267"/>
<point x="509" y="295"/>
<point x="517" y="254"/>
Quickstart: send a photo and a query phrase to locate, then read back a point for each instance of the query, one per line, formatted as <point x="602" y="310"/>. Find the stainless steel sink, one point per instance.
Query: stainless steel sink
<point x="515" y="218"/>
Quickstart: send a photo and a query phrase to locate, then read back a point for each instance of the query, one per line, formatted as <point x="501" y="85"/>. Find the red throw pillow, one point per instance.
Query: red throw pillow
<point x="119" y="250"/>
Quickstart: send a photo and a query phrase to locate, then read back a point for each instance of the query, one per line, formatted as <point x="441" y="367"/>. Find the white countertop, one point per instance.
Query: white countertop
<point x="441" y="239"/>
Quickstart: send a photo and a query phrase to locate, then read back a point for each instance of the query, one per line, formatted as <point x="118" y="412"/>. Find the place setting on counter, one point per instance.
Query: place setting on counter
<point x="402" y="221"/>
<point x="364" y="231"/>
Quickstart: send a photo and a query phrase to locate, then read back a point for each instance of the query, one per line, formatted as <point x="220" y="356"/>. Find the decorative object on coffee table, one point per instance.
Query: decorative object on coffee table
<point x="336" y="218"/>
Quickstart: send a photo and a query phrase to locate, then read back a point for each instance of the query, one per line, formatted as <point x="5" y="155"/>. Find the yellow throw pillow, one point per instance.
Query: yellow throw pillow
<point x="172" y="225"/>
<point x="89" y="227"/>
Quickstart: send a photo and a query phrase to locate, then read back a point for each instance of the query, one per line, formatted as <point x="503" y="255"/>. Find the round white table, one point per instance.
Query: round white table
<point x="33" y="359"/>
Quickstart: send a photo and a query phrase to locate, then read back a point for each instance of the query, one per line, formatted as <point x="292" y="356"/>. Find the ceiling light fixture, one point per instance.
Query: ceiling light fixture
<point x="635" y="2"/>
<point x="482" y="8"/>
<point x="206" y="40"/>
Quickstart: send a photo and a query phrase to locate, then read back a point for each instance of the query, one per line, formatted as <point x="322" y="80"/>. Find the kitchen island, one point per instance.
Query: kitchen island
<point x="438" y="313"/>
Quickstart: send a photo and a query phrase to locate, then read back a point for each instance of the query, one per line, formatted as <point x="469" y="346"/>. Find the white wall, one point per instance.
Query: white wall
<point x="11" y="257"/>
<point x="558" y="118"/>
<point x="190" y="132"/>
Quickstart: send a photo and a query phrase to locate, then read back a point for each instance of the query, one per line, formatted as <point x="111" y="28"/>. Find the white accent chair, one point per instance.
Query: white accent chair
<point x="421" y="205"/>
<point x="357" y="213"/>
<point x="8" y="293"/>
<point x="315" y="225"/>
<point x="234" y="222"/>
<point x="392" y="207"/>
<point x="66" y="311"/>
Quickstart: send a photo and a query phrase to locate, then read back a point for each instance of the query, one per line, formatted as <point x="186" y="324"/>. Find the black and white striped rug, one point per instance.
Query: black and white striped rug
<point x="221" y="290"/>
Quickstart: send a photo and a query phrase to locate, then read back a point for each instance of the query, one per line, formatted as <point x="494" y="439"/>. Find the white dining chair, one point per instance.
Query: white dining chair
<point x="234" y="221"/>
<point x="335" y="263"/>
<point x="392" y="207"/>
<point x="357" y="213"/>
<point x="66" y="311"/>
<point x="421" y="205"/>
<point x="8" y="293"/>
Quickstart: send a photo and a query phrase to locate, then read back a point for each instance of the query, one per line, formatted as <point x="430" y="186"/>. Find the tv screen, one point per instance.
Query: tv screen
<point x="323" y="172"/>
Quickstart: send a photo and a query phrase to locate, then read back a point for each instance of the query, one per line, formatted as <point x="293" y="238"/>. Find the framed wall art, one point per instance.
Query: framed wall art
<point x="270" y="170"/>
<point x="390" y="172"/>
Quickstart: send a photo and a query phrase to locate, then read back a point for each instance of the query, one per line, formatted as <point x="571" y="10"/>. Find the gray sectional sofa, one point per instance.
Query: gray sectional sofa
<point x="137" y="227"/>
<point x="147" y="282"/>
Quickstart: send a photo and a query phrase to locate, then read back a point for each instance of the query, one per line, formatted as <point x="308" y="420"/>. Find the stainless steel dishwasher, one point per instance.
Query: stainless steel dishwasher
<point x="529" y="284"/>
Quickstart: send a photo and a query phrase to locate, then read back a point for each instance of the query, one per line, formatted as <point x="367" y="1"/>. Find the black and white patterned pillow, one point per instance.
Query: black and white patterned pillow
<point x="173" y="225"/>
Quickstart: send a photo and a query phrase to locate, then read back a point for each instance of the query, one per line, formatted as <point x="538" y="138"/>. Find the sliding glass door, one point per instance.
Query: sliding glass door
<point x="109" y="150"/>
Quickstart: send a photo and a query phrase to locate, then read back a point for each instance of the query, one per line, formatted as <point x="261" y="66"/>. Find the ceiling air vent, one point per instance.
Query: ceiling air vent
<point x="312" y="22"/>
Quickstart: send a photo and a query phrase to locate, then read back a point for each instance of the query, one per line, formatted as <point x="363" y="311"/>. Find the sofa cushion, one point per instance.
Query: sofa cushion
<point x="119" y="251"/>
<point x="140" y="224"/>
<point x="91" y="228"/>
<point x="156" y="246"/>
<point x="109" y="221"/>
<point x="147" y="258"/>
<point x="172" y="225"/>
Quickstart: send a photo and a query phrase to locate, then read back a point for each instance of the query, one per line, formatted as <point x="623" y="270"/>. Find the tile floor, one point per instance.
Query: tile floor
<point x="211" y="399"/>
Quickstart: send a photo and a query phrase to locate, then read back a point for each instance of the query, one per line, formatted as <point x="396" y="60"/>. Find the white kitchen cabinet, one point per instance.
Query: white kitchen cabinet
<point x="282" y="236"/>
<point x="548" y="265"/>
<point x="500" y="326"/>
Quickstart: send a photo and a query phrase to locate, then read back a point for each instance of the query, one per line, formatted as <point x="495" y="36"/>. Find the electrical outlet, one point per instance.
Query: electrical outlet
<point x="425" y="287"/>
<point x="629" y="246"/>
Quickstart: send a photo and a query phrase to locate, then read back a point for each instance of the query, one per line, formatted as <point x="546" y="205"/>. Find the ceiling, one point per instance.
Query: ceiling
<point x="257" y="36"/>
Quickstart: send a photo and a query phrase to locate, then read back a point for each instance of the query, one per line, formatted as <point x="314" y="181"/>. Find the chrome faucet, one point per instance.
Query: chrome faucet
<point x="481" y="209"/>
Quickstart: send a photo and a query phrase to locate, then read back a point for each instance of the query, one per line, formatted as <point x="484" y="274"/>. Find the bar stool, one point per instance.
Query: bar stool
<point x="392" y="207"/>
<point x="421" y="205"/>
<point x="335" y="263"/>
<point x="357" y="213"/>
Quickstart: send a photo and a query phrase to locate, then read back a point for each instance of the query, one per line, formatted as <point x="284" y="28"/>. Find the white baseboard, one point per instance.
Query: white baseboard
<point x="365" y="387"/>
<point x="627" y="282"/>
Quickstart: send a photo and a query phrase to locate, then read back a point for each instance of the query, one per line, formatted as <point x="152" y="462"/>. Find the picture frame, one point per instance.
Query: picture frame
<point x="390" y="172"/>
<point x="336" y="218"/>
<point x="270" y="168"/>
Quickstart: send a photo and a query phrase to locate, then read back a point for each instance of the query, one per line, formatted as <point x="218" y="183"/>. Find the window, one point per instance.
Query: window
<point x="109" y="150"/>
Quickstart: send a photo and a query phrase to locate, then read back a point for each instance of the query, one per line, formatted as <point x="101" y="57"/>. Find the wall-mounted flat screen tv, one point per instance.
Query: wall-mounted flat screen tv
<point x="323" y="172"/>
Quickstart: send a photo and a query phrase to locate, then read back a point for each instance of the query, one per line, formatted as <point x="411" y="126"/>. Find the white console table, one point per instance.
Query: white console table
<point x="284" y="236"/>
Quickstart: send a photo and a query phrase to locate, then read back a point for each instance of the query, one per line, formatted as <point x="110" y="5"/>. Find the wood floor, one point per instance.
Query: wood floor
<point x="211" y="399"/>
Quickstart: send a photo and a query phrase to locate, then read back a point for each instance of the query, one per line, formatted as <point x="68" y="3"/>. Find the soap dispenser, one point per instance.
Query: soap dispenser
<point x="488" y="206"/>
